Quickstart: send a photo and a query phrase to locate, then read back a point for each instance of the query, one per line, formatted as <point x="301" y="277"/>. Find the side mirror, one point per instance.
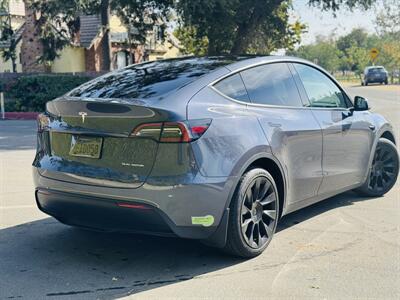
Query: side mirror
<point x="361" y="104"/>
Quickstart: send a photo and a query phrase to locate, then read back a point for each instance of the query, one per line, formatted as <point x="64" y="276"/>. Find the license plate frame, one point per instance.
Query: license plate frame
<point x="86" y="146"/>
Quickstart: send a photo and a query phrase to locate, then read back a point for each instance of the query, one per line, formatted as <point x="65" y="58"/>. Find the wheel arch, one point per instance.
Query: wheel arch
<point x="388" y="135"/>
<point x="271" y="164"/>
<point x="385" y="131"/>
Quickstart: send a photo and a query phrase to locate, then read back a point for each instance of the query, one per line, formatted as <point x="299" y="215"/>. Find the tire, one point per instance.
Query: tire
<point x="384" y="170"/>
<point x="386" y="82"/>
<point x="366" y="83"/>
<point x="254" y="213"/>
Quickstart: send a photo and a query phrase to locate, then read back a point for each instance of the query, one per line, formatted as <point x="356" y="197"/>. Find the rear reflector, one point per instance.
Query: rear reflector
<point x="173" y="132"/>
<point x="134" y="206"/>
<point x="199" y="129"/>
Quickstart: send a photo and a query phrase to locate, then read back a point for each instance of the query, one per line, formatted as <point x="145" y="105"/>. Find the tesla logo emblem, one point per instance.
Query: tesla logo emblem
<point x="83" y="115"/>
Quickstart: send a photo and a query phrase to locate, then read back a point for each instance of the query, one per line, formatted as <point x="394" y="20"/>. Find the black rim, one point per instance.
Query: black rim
<point x="383" y="171"/>
<point x="258" y="212"/>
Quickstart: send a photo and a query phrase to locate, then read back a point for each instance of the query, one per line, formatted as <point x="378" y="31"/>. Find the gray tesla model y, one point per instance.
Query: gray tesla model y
<point x="211" y="148"/>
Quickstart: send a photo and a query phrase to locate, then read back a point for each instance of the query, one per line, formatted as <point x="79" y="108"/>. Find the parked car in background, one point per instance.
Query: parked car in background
<point x="396" y="73"/>
<point x="375" y="74"/>
<point x="212" y="148"/>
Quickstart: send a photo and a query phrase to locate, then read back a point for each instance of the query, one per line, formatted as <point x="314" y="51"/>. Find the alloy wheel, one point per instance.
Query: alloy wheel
<point x="259" y="212"/>
<point x="383" y="171"/>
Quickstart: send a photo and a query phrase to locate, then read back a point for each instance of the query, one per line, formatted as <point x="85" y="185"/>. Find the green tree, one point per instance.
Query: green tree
<point x="335" y="5"/>
<point x="389" y="56"/>
<point x="358" y="58"/>
<point x="187" y="35"/>
<point x="388" y="19"/>
<point x="351" y="48"/>
<point x="7" y="35"/>
<point x="250" y="26"/>
<point x="357" y="37"/>
<point x="59" y="21"/>
<point x="234" y="26"/>
<point x="323" y="52"/>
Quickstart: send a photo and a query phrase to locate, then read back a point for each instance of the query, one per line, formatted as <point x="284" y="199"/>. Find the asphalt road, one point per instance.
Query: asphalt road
<point x="345" y="247"/>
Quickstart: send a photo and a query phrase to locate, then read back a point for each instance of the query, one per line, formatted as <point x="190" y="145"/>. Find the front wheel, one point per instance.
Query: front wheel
<point x="384" y="170"/>
<point x="253" y="215"/>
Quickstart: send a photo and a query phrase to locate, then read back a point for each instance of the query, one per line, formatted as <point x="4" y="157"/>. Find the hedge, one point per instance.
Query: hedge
<point x="30" y="93"/>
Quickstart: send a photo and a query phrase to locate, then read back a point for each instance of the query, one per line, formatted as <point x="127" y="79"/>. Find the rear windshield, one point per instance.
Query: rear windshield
<point x="150" y="79"/>
<point x="376" y="70"/>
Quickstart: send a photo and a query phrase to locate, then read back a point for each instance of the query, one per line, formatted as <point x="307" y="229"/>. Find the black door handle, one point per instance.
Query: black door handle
<point x="346" y="126"/>
<point x="372" y="127"/>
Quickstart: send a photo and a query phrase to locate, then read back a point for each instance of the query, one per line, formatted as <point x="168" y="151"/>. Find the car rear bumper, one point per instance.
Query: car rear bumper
<point x="375" y="79"/>
<point x="153" y="209"/>
<point x="101" y="214"/>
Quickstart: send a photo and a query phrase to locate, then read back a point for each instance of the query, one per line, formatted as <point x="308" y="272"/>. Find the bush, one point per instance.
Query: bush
<point x="30" y="93"/>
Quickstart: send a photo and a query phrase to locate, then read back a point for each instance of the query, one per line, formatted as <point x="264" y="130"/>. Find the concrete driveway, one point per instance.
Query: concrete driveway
<point x="346" y="247"/>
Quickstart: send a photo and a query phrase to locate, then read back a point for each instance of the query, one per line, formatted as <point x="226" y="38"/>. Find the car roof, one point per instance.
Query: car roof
<point x="235" y="62"/>
<point x="256" y="60"/>
<point x="375" y="67"/>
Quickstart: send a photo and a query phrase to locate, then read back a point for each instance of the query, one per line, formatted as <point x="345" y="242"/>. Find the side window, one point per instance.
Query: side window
<point x="233" y="87"/>
<point x="321" y="90"/>
<point x="271" y="84"/>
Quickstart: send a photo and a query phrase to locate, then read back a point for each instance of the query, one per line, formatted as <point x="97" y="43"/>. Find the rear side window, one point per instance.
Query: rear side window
<point x="271" y="84"/>
<point x="321" y="90"/>
<point x="148" y="80"/>
<point x="233" y="87"/>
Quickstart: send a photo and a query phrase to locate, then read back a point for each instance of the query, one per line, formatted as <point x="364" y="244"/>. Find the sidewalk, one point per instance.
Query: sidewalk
<point x="21" y="115"/>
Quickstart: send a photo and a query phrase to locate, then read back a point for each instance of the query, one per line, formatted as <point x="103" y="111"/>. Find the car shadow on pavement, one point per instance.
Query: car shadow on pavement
<point x="344" y="199"/>
<point x="45" y="259"/>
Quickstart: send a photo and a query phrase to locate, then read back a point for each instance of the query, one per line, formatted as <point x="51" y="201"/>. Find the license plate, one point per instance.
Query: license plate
<point x="86" y="146"/>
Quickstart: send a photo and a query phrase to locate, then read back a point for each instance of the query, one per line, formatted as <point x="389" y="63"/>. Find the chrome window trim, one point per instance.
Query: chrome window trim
<point x="276" y="106"/>
<point x="279" y="60"/>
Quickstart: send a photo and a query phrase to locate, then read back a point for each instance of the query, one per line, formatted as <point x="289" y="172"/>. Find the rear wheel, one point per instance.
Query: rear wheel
<point x="384" y="170"/>
<point x="253" y="215"/>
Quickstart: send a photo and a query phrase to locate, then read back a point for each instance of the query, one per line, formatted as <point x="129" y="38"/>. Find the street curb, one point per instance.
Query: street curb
<point x="21" y="115"/>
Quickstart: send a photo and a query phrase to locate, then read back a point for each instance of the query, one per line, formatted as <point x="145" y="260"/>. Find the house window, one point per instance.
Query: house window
<point x="158" y="33"/>
<point x="122" y="59"/>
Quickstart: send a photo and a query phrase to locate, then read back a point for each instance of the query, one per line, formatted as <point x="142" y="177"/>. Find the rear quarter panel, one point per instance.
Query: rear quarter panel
<point x="233" y="138"/>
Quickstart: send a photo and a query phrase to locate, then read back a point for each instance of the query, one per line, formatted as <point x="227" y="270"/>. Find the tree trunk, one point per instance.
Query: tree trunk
<point x="240" y="44"/>
<point x="212" y="46"/>
<point x="105" y="44"/>
<point x="31" y="47"/>
<point x="246" y="29"/>
<point x="14" y="65"/>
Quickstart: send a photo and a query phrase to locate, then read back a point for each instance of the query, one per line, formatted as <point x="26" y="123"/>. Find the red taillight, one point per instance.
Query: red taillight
<point x="199" y="129"/>
<point x="133" y="206"/>
<point x="173" y="132"/>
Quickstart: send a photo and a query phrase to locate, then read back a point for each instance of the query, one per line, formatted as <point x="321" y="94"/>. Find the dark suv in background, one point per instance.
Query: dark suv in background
<point x="375" y="74"/>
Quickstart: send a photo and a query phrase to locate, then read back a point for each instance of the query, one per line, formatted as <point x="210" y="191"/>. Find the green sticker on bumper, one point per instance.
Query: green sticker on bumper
<point x="206" y="221"/>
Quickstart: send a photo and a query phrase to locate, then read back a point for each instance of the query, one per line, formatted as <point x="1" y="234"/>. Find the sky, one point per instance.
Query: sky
<point x="324" y="23"/>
